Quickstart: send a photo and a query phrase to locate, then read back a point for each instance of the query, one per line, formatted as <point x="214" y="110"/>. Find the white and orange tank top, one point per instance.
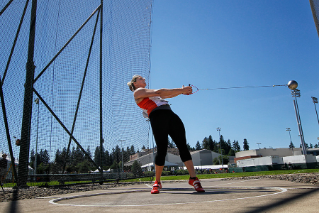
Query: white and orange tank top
<point x="149" y="104"/>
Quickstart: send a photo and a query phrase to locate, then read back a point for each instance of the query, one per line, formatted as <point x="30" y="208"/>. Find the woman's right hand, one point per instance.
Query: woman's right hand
<point x="187" y="90"/>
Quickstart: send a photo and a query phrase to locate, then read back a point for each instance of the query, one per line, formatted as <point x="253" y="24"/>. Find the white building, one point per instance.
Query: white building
<point x="202" y="159"/>
<point x="278" y="158"/>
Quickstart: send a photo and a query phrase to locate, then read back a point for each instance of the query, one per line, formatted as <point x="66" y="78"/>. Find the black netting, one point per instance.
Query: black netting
<point x="67" y="79"/>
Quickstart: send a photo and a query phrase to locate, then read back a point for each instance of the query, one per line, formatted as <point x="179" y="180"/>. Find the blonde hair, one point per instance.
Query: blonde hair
<point x="131" y="83"/>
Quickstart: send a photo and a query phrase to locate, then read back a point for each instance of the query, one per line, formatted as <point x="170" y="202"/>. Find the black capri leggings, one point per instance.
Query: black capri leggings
<point x="165" y="122"/>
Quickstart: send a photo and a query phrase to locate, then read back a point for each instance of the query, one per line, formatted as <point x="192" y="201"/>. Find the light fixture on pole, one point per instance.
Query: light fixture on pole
<point x="220" y="146"/>
<point x="258" y="145"/>
<point x="296" y="93"/>
<point x="288" y="130"/>
<point x="36" y="143"/>
<point x="315" y="101"/>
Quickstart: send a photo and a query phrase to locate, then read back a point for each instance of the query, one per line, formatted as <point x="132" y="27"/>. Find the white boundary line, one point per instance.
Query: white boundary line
<point x="280" y="190"/>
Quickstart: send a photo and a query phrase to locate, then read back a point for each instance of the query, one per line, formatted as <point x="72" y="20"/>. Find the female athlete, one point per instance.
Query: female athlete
<point x="164" y="122"/>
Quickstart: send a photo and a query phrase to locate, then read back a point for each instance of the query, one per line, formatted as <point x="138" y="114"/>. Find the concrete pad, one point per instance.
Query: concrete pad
<point x="256" y="195"/>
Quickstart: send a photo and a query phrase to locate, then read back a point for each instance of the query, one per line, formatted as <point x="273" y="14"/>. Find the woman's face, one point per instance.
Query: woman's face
<point x="140" y="82"/>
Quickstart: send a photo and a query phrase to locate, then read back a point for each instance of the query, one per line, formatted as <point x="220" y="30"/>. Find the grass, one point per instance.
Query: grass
<point x="182" y="177"/>
<point x="229" y="175"/>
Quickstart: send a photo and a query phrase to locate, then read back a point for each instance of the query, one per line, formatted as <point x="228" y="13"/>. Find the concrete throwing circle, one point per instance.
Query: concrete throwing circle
<point x="169" y="196"/>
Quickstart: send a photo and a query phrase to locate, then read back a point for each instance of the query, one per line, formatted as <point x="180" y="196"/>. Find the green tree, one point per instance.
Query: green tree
<point x="222" y="143"/>
<point x="246" y="146"/>
<point x="43" y="168"/>
<point x="211" y="143"/>
<point x="291" y="145"/>
<point x="107" y="158"/>
<point x="114" y="165"/>
<point x="218" y="160"/>
<point x="136" y="169"/>
<point x="83" y="167"/>
<point x="231" y="152"/>
<point x="32" y="159"/>
<point x="88" y="152"/>
<point x="188" y="146"/>
<point x="205" y="143"/>
<point x="227" y="146"/>
<point x="58" y="162"/>
<point x="44" y="156"/>
<point x="236" y="146"/>
<point x="198" y="146"/>
<point x="132" y="150"/>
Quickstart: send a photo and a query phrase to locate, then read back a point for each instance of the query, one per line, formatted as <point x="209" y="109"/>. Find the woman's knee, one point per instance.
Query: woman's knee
<point x="160" y="159"/>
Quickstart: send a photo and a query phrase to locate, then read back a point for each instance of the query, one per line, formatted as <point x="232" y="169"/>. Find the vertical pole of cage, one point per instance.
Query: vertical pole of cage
<point x="7" y="131"/>
<point x="101" y="93"/>
<point x="27" y="105"/>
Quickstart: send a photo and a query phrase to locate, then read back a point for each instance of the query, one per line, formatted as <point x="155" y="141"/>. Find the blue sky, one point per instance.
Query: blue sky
<point x="207" y="43"/>
<point x="212" y="44"/>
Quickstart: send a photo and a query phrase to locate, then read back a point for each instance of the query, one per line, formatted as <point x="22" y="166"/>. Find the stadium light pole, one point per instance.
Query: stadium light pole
<point x="220" y="146"/>
<point x="258" y="145"/>
<point x="315" y="101"/>
<point x="289" y="130"/>
<point x="122" y="154"/>
<point x="296" y="93"/>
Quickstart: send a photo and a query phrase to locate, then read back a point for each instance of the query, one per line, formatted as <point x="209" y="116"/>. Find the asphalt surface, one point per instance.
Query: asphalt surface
<point x="256" y="195"/>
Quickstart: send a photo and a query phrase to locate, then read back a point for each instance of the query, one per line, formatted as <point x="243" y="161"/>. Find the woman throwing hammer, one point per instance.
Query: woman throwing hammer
<point x="164" y="122"/>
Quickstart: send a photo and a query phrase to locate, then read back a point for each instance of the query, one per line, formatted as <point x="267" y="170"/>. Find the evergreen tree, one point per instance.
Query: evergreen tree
<point x="236" y="146"/>
<point x="132" y="150"/>
<point x="231" y="152"/>
<point x="78" y="155"/>
<point x="221" y="142"/>
<point x="306" y="145"/>
<point x="188" y="147"/>
<point x="107" y="159"/>
<point x="32" y="158"/>
<point x="291" y="145"/>
<point x="88" y="152"/>
<point x="97" y="156"/>
<point x="227" y="146"/>
<point x="205" y="144"/>
<point x="246" y="146"/>
<point x="210" y="143"/>
<point x="198" y="147"/>
<point x="136" y="169"/>
<point x="218" y="160"/>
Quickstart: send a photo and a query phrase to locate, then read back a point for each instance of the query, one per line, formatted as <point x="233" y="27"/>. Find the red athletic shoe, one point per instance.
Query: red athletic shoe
<point x="156" y="187"/>
<point x="196" y="183"/>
